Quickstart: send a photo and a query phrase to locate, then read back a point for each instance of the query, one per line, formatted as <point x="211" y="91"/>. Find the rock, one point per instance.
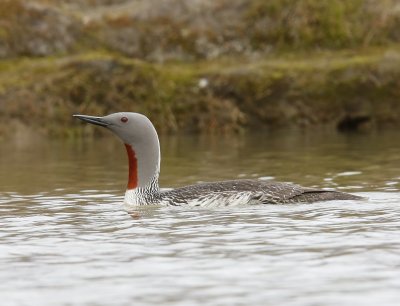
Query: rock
<point x="32" y="29"/>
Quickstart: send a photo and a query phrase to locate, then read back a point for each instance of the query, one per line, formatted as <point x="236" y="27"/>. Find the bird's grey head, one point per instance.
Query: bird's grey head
<point x="132" y="128"/>
<point x="141" y="141"/>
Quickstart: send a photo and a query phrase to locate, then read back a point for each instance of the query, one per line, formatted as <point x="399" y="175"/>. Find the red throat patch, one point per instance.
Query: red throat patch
<point x="133" y="172"/>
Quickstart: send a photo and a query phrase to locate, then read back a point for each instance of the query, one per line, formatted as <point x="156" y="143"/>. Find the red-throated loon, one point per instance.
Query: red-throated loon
<point x="143" y="148"/>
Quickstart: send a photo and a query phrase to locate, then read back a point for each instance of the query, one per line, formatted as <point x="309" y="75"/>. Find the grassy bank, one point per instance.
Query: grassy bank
<point x="199" y="66"/>
<point x="332" y="89"/>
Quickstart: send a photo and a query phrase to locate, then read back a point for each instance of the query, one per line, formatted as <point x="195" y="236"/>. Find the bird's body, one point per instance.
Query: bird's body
<point x="142" y="145"/>
<point x="236" y="193"/>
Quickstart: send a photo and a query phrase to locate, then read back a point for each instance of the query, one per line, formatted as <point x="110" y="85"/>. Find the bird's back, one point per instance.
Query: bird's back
<point x="245" y="192"/>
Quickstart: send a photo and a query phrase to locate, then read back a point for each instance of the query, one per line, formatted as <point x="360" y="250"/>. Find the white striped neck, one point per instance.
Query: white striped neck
<point x="143" y="176"/>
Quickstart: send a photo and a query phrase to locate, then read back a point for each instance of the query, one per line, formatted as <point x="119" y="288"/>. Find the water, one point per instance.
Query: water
<point x="65" y="240"/>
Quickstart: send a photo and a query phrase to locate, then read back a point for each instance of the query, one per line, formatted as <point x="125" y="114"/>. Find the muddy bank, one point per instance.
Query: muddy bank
<point x="199" y="66"/>
<point x="336" y="90"/>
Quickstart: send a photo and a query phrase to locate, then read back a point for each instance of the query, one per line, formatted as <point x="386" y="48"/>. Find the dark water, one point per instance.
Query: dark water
<point x="65" y="240"/>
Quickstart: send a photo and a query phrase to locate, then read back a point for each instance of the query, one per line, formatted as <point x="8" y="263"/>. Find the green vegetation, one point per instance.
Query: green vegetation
<point x="224" y="95"/>
<point x="199" y="67"/>
<point x="324" y="24"/>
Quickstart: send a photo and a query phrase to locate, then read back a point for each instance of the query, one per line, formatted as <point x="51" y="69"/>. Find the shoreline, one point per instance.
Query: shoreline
<point x="348" y="89"/>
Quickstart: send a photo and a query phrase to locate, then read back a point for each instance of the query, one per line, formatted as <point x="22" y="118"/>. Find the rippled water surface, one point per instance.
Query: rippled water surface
<point x="65" y="240"/>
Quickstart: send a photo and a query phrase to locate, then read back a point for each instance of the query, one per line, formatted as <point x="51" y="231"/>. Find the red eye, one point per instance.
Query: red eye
<point x="124" y="119"/>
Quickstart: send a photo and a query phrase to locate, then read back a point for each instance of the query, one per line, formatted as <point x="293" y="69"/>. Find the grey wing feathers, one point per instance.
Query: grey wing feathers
<point x="262" y="192"/>
<point x="324" y="195"/>
<point x="276" y="193"/>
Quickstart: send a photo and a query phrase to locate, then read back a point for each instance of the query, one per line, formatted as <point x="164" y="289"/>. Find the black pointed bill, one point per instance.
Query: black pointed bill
<point x="93" y="120"/>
